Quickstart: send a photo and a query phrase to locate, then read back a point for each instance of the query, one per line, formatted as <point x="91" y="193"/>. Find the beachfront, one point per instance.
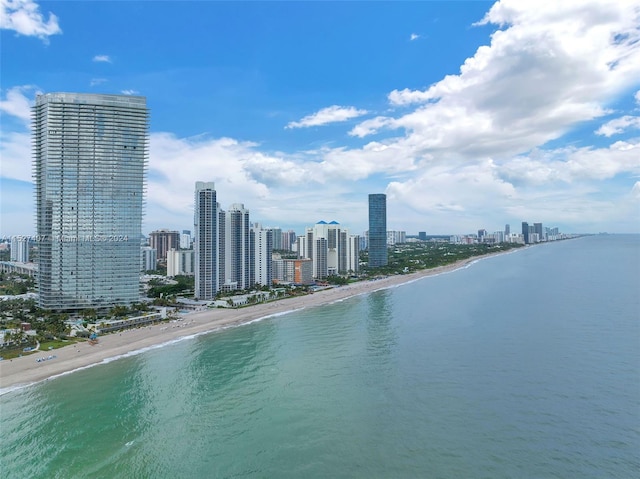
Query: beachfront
<point x="26" y="370"/>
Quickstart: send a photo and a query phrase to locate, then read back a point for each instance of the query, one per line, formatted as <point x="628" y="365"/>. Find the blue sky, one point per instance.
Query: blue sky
<point x="468" y="115"/>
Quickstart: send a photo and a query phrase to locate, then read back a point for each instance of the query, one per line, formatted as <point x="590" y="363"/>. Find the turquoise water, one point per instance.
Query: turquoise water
<point x="522" y="365"/>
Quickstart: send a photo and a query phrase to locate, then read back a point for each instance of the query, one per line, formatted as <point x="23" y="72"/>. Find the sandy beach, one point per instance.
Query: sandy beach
<point x="26" y="370"/>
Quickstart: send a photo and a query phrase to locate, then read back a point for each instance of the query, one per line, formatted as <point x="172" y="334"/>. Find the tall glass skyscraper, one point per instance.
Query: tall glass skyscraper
<point x="90" y="158"/>
<point x="377" y="230"/>
<point x="525" y="232"/>
<point x="240" y="247"/>
<point x="207" y="233"/>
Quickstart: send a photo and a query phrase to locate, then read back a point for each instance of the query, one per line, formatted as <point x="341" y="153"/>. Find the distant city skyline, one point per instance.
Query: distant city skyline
<point x="466" y="118"/>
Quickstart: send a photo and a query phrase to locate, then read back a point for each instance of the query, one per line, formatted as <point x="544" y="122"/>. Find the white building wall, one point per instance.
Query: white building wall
<point x="263" y="252"/>
<point x="353" y="256"/>
<point x="148" y="258"/>
<point x="185" y="241"/>
<point x="20" y="249"/>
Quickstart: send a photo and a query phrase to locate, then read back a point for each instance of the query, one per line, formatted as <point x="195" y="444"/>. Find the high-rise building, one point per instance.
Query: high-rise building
<point x="206" y="241"/>
<point x="263" y="252"/>
<point x="277" y="237"/>
<point x="180" y="262"/>
<point x="289" y="240"/>
<point x="148" y="258"/>
<point x="525" y="232"/>
<point x="20" y="249"/>
<point x="164" y="240"/>
<point x="422" y="235"/>
<point x="328" y="246"/>
<point x="507" y="230"/>
<point x="90" y="157"/>
<point x="377" y="230"/>
<point x="240" y="261"/>
<point x="396" y="237"/>
<point x="537" y="228"/>
<point x="185" y="239"/>
<point x="353" y="254"/>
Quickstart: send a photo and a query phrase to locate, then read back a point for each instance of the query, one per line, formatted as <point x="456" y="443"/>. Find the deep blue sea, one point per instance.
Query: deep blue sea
<point x="523" y="365"/>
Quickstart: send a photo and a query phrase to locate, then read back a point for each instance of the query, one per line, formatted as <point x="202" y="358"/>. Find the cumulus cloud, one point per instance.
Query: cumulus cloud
<point x="24" y="17"/>
<point x="414" y="36"/>
<point x="372" y="125"/>
<point x="331" y="114"/>
<point x="130" y="92"/>
<point x="102" y="59"/>
<point x="274" y="187"/>
<point x="454" y="189"/>
<point x="469" y="151"/>
<point x="574" y="165"/>
<point x="477" y="139"/>
<point x="619" y="125"/>
<point x="544" y="71"/>
<point x="15" y="144"/>
<point x="16" y="103"/>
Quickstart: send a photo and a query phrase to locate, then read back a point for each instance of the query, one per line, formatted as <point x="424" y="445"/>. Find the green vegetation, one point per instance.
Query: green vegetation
<point x="335" y="279"/>
<point x="12" y="284"/>
<point x="411" y="257"/>
<point x="181" y="285"/>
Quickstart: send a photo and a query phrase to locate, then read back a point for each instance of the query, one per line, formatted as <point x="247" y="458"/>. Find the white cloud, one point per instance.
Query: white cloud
<point x="15" y="149"/>
<point x="637" y="97"/>
<point x="15" y="144"/>
<point x="619" y="125"/>
<point x="102" y="59"/>
<point x="97" y="81"/>
<point x="545" y="71"/>
<point x="414" y="36"/>
<point x="572" y="166"/>
<point x="476" y="138"/>
<point x="471" y="187"/>
<point x="331" y="114"/>
<point x="130" y="92"/>
<point x="469" y="150"/>
<point x="24" y="17"/>
<point x="274" y="187"/>
<point x="370" y="126"/>
<point x="16" y="103"/>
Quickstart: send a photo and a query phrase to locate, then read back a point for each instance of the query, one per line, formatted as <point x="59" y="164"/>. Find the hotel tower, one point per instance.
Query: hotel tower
<point x="90" y="156"/>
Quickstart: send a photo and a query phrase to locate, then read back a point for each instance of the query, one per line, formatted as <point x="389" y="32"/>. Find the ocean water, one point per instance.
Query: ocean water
<point x="524" y="365"/>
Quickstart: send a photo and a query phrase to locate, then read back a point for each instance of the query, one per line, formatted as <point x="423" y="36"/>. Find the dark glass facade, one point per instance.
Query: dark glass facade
<point x="377" y="230"/>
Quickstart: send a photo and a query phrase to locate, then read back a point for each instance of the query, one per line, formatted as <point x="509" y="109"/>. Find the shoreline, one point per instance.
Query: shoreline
<point x="25" y="371"/>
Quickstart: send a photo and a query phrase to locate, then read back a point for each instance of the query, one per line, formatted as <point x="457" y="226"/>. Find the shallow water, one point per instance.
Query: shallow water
<point x="521" y="365"/>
